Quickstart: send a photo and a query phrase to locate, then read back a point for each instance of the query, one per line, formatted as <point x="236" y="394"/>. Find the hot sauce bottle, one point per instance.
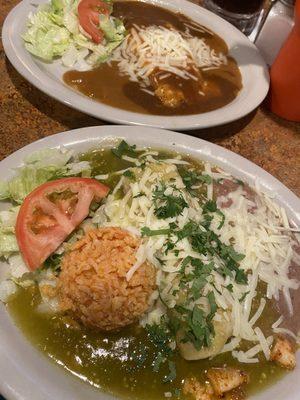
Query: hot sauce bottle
<point x="285" y="75"/>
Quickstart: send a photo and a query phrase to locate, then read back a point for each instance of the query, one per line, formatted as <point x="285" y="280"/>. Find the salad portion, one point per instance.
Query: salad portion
<point x="51" y="195"/>
<point x="83" y="33"/>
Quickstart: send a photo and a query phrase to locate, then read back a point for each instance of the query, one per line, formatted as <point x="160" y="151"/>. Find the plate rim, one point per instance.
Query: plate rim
<point x="62" y="93"/>
<point x="165" y="139"/>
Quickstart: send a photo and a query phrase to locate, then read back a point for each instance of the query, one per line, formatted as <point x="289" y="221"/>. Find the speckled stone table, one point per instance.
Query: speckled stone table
<point x="26" y="114"/>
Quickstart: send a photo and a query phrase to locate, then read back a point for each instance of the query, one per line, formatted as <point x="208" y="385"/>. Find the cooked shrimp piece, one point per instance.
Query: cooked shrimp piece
<point x="235" y="394"/>
<point x="283" y="353"/>
<point x="226" y="379"/>
<point x="169" y="95"/>
<point x="197" y="390"/>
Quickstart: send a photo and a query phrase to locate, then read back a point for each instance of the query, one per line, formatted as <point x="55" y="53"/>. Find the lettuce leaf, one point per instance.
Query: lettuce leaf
<point x="57" y="6"/>
<point x="54" y="31"/>
<point x="49" y="157"/>
<point x="112" y="28"/>
<point x="40" y="167"/>
<point x="28" y="178"/>
<point x="46" y="36"/>
<point x="8" y="242"/>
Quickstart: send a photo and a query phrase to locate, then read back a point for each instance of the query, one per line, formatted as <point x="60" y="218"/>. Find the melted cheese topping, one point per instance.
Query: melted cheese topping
<point x="258" y="227"/>
<point x="145" y="50"/>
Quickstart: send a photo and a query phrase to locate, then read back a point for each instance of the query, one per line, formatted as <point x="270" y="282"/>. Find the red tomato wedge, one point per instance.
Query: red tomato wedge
<point x="51" y="212"/>
<point x="88" y="15"/>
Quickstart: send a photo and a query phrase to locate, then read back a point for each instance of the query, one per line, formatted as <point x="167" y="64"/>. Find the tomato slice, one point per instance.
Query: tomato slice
<point x="88" y="15"/>
<point x="51" y="212"/>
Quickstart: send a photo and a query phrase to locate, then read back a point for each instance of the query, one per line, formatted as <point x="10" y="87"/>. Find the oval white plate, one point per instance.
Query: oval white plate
<point x="48" y="77"/>
<point x="27" y="374"/>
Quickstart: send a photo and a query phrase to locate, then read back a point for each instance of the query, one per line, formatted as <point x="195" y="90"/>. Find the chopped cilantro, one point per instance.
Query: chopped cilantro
<point x="124" y="149"/>
<point x="139" y="356"/>
<point x="205" y="179"/>
<point x="243" y="297"/>
<point x="212" y="304"/>
<point x="239" y="182"/>
<point x="167" y="206"/>
<point x="160" y="336"/>
<point x="159" y="359"/>
<point x="197" y="286"/>
<point x="53" y="262"/>
<point x="129" y="174"/>
<point x="149" y="232"/>
<point x="174" y="324"/>
<point x="172" y="372"/>
<point x="237" y="257"/>
<point x="141" y="194"/>
<point x="192" y="178"/>
<point x="173" y="225"/>
<point x="230" y="287"/>
<point x="219" y="212"/>
<point x="208" y="243"/>
<point x="162" y="262"/>
<point x="240" y="276"/>
<point x="200" y="329"/>
<point x="188" y="230"/>
<point x="181" y="310"/>
<point x="209" y="206"/>
<point x="169" y="245"/>
<point x="184" y="263"/>
<point x="207" y="219"/>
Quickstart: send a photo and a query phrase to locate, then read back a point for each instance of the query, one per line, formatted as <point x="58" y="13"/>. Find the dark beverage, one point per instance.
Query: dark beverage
<point x="240" y="6"/>
<point x="242" y="13"/>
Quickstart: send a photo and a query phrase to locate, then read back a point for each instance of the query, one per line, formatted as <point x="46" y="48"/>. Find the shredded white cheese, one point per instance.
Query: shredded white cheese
<point x="255" y="223"/>
<point x="145" y="50"/>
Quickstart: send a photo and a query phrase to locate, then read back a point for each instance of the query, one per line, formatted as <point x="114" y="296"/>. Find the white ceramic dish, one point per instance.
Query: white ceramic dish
<point x="48" y="77"/>
<point x="27" y="374"/>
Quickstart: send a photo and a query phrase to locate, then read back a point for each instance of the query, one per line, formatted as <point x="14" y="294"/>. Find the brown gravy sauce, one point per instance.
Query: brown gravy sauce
<point x="106" y="85"/>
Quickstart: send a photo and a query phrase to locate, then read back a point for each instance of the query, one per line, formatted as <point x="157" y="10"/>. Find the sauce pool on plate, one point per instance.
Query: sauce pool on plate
<point x="200" y="89"/>
<point x="121" y="361"/>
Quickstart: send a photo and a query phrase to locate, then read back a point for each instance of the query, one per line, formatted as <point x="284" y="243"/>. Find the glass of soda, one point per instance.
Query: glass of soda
<point x="241" y="13"/>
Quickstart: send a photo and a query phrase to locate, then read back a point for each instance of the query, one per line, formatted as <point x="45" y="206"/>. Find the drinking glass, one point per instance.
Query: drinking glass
<point x="241" y="13"/>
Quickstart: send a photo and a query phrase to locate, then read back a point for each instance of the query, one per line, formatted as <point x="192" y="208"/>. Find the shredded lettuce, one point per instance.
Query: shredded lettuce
<point x="112" y="28"/>
<point x="49" y="157"/>
<point x="40" y="167"/>
<point x="46" y="36"/>
<point x="57" y="5"/>
<point x="7" y="289"/>
<point x="54" y="32"/>
<point x="4" y="193"/>
<point x="8" y="242"/>
<point x="82" y="168"/>
<point x="17" y="266"/>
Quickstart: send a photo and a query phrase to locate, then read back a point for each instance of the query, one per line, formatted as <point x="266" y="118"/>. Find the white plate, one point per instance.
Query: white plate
<point x="48" y="77"/>
<point x="27" y="374"/>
